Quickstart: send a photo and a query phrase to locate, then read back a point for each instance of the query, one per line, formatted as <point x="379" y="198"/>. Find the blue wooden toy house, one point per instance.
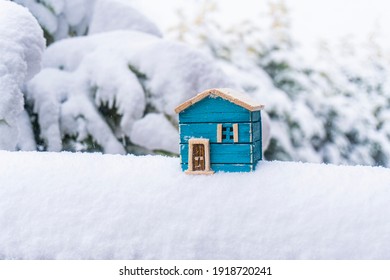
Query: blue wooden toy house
<point x="220" y="130"/>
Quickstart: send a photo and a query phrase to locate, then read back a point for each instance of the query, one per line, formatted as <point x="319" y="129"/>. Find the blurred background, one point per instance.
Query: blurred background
<point x="115" y="69"/>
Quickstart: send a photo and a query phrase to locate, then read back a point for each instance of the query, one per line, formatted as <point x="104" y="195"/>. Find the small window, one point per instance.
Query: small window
<point x="227" y="133"/>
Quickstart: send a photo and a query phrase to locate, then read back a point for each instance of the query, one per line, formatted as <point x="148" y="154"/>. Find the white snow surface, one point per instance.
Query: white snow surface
<point x="93" y="206"/>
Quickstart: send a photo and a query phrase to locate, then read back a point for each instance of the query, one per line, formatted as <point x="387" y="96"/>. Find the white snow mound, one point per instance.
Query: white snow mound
<point x="21" y="48"/>
<point x="93" y="206"/>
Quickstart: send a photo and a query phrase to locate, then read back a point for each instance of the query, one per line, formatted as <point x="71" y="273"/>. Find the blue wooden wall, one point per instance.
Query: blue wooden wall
<point x="201" y="120"/>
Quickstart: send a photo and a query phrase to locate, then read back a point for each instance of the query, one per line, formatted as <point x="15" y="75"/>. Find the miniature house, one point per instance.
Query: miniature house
<point x="220" y="130"/>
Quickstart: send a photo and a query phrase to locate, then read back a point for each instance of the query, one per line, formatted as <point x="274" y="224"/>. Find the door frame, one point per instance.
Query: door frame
<point x="206" y="143"/>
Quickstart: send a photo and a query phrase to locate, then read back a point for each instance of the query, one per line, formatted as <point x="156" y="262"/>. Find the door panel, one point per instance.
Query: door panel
<point x="198" y="157"/>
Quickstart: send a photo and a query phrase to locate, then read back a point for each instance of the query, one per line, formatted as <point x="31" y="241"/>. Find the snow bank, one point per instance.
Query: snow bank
<point x="92" y="206"/>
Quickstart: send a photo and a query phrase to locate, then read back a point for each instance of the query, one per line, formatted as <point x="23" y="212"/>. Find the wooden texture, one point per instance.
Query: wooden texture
<point x="256" y="131"/>
<point x="198" y="161"/>
<point x="215" y="110"/>
<point x="219" y="132"/>
<point x="224" y="168"/>
<point x="235" y="133"/>
<point x="256" y="151"/>
<point x="198" y="151"/>
<point x="238" y="98"/>
<point x="255" y="116"/>
<point x="210" y="131"/>
<point x="203" y="172"/>
<point x="224" y="153"/>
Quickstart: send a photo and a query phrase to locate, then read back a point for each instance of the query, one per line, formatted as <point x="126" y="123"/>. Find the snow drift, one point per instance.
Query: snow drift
<point x="93" y="206"/>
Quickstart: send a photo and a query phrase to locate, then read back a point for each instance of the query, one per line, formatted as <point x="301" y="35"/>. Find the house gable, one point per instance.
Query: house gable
<point x="231" y="95"/>
<point x="214" y="109"/>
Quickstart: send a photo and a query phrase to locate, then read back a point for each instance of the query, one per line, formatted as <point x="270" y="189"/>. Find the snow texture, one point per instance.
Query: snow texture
<point x="134" y="73"/>
<point x="95" y="88"/>
<point x="61" y="18"/>
<point x="21" y="47"/>
<point x="331" y="108"/>
<point x="109" y="15"/>
<point x="67" y="18"/>
<point x="155" y="132"/>
<point x="129" y="207"/>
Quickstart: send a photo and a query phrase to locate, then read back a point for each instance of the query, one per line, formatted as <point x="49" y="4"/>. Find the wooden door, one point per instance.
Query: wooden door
<point x="198" y="157"/>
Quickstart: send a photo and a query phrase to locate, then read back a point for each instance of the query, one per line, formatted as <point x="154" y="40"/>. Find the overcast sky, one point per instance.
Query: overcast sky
<point x="312" y="20"/>
<point x="332" y="19"/>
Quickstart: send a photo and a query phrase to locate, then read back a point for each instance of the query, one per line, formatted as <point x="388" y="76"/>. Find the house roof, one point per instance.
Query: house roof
<point x="236" y="97"/>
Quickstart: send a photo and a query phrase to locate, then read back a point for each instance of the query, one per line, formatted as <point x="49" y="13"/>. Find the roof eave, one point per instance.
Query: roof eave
<point x="219" y="93"/>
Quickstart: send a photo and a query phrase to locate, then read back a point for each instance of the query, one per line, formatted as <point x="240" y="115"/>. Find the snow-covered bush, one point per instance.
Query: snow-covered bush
<point x="115" y="91"/>
<point x="61" y="18"/>
<point x="332" y="109"/>
<point x="110" y="15"/>
<point x="69" y="18"/>
<point x="21" y="47"/>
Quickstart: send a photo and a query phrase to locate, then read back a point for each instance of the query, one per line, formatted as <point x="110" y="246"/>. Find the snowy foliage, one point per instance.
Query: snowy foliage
<point x="61" y="18"/>
<point x="330" y="109"/>
<point x="21" y="47"/>
<point x="93" y="89"/>
<point x="69" y="18"/>
<point x="103" y="86"/>
<point x="129" y="207"/>
<point x="109" y="15"/>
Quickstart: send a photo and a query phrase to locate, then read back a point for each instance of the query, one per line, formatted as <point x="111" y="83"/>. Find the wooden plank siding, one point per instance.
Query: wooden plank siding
<point x="210" y="131"/>
<point x="256" y="131"/>
<point x="202" y="119"/>
<point x="226" y="167"/>
<point x="255" y="116"/>
<point x="215" y="110"/>
<point x="257" y="152"/>
<point x="224" y="153"/>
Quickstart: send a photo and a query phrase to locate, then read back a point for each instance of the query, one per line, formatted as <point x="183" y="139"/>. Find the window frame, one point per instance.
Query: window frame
<point x="233" y="133"/>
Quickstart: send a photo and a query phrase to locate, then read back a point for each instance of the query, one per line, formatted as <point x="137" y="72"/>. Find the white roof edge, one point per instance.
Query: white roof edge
<point x="232" y="95"/>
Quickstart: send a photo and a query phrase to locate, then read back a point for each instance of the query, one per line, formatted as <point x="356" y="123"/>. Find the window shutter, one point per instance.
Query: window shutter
<point x="235" y="132"/>
<point x="219" y="133"/>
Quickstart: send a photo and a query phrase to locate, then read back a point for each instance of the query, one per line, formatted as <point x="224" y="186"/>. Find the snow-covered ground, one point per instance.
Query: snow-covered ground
<point x="93" y="206"/>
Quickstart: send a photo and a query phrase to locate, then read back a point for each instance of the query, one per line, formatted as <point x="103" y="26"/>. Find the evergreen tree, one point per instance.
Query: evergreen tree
<point x="328" y="110"/>
<point x="21" y="47"/>
<point x="61" y="18"/>
<point x="115" y="90"/>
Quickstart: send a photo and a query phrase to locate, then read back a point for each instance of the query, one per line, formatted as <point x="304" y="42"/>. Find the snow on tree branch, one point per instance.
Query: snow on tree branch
<point x="93" y="89"/>
<point x="21" y="48"/>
